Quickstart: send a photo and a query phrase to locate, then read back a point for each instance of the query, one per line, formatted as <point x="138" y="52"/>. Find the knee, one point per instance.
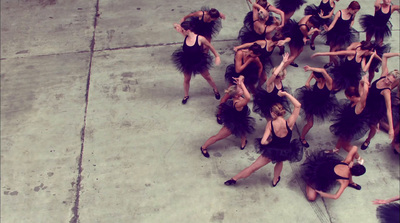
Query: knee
<point x="312" y="197"/>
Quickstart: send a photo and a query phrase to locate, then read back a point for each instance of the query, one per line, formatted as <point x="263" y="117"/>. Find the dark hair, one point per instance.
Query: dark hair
<point x="277" y="36"/>
<point x="358" y="170"/>
<point x="214" y="13"/>
<point x="186" y="25"/>
<point x="352" y="91"/>
<point x="256" y="49"/>
<point x="354" y="5"/>
<point x="318" y="74"/>
<point x="366" y="45"/>
<point x="315" y="21"/>
<point x="262" y="3"/>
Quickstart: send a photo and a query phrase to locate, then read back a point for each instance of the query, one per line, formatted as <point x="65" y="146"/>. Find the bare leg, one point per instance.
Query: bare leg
<point x="371" y="74"/>
<point x="307" y="127"/>
<point x="262" y="79"/>
<point x="186" y="83"/>
<point x="294" y="53"/>
<point x="243" y="141"/>
<point x="260" y="162"/>
<point x="288" y="16"/>
<point x="222" y="134"/>
<point x="371" y="134"/>
<point x="277" y="171"/>
<point x="311" y="193"/>
<point x="315" y="34"/>
<point x="210" y="80"/>
<point x="368" y="37"/>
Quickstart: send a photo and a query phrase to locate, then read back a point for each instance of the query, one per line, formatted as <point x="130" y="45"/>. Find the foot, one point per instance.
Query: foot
<point x="230" y="182"/>
<point x="204" y="152"/>
<point x="360" y="160"/>
<point x="304" y="143"/>
<point x="216" y="94"/>
<point x="294" y="64"/>
<point x="328" y="65"/>
<point x="274" y="184"/>
<point x="335" y="150"/>
<point x="243" y="146"/>
<point x="185" y="99"/>
<point x="355" y="186"/>
<point x="365" y="145"/>
<point x="312" y="46"/>
<point x="219" y="120"/>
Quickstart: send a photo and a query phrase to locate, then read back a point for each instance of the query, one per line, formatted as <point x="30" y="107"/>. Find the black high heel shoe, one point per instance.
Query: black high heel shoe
<point x="242" y="148"/>
<point x="217" y="95"/>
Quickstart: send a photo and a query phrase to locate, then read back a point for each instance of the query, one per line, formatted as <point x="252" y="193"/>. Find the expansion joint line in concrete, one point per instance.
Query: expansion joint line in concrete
<point x="75" y="209"/>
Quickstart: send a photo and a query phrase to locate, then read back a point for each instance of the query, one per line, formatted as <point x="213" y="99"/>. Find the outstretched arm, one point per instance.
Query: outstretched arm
<point x="337" y="53"/>
<point x="193" y="14"/>
<point x="204" y="41"/>
<point x="279" y="12"/>
<point x="343" y="185"/>
<point x="385" y="57"/>
<point x="379" y="201"/>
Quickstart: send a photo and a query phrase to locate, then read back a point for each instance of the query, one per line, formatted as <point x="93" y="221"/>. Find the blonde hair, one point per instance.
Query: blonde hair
<point x="232" y="90"/>
<point x="395" y="73"/>
<point x="281" y="74"/>
<point x="278" y="109"/>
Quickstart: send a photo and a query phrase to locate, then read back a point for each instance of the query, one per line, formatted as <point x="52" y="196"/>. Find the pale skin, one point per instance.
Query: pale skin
<point x="341" y="170"/>
<point x="271" y="8"/>
<point x="276" y="80"/>
<point x="239" y="103"/>
<point x="190" y="41"/>
<point x="381" y="201"/>
<point x="346" y="15"/>
<point x="321" y="15"/>
<point x="385" y="6"/>
<point x="281" y="131"/>
<point x="294" y="52"/>
<point x="388" y="82"/>
<point x="320" y="82"/>
<point x="259" y="24"/>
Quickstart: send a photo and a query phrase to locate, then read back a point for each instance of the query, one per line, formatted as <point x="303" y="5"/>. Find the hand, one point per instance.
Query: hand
<point x="307" y="85"/>
<point x="281" y="42"/>
<point x="379" y="201"/>
<point x="316" y="30"/>
<point x="321" y="13"/>
<point x="306" y="68"/>
<point x="235" y="48"/>
<point x="326" y="28"/>
<point x="285" y="57"/>
<point x="318" y="191"/>
<point x="222" y="16"/>
<point x="281" y="93"/>
<point x="217" y="61"/>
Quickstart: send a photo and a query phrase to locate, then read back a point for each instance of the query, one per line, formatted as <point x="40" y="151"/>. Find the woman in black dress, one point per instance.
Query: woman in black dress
<point x="191" y="59"/>
<point x="321" y="171"/>
<point x="279" y="148"/>
<point x="235" y="116"/>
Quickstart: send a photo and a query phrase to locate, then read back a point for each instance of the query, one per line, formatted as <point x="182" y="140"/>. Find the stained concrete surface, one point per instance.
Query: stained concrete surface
<point x="93" y="130"/>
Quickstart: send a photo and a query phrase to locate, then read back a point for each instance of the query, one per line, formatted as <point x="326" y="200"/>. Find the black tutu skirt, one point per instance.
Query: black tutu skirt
<point x="263" y="102"/>
<point x="292" y="152"/>
<point x="372" y="25"/>
<point x="250" y="74"/>
<point x="316" y="104"/>
<point x="238" y="122"/>
<point x="347" y="125"/>
<point x="341" y="36"/>
<point x="248" y="35"/>
<point x="314" y="10"/>
<point x="288" y="5"/>
<point x="346" y="74"/>
<point x="388" y="213"/>
<point x="292" y="30"/>
<point x="191" y="63"/>
<point x="206" y="29"/>
<point x="248" y="20"/>
<point x="316" y="170"/>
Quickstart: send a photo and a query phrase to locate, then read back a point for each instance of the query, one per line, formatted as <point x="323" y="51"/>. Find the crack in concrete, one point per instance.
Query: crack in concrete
<point x="75" y="208"/>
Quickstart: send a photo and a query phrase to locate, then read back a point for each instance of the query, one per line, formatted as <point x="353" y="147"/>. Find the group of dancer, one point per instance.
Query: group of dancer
<point x="367" y="105"/>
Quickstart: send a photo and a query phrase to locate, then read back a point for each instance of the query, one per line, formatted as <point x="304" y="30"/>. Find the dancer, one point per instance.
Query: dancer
<point x="318" y="101"/>
<point x="380" y="50"/>
<point x="339" y="33"/>
<point x="288" y="7"/>
<point x="383" y="124"/>
<point x="267" y="48"/>
<point x="235" y="116"/>
<point x="324" y="13"/>
<point x="379" y="25"/>
<point x="298" y="33"/>
<point x="389" y="212"/>
<point x="348" y="73"/>
<point x="191" y="59"/>
<point x="321" y="171"/>
<point x="246" y="64"/>
<point x="378" y="102"/>
<point x="279" y="148"/>
<point x="351" y="119"/>
<point x="205" y="22"/>
<point x="258" y="25"/>
<point x="264" y="99"/>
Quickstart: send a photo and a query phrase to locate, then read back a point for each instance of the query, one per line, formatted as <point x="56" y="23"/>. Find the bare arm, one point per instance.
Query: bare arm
<point x="379" y="201"/>
<point x="279" y="12"/>
<point x="385" y="57"/>
<point x="343" y="185"/>
<point x="267" y="132"/>
<point x="239" y="66"/>
<point x="296" y="111"/>
<point x="333" y="22"/>
<point x="270" y="81"/>
<point x="193" y="14"/>
<point x="208" y="44"/>
<point x="377" y="5"/>
<point x="387" y="96"/>
<point x="240" y="83"/>
<point x="363" y="88"/>
<point x="325" y="74"/>
<point x="337" y="53"/>
<point x="395" y="8"/>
